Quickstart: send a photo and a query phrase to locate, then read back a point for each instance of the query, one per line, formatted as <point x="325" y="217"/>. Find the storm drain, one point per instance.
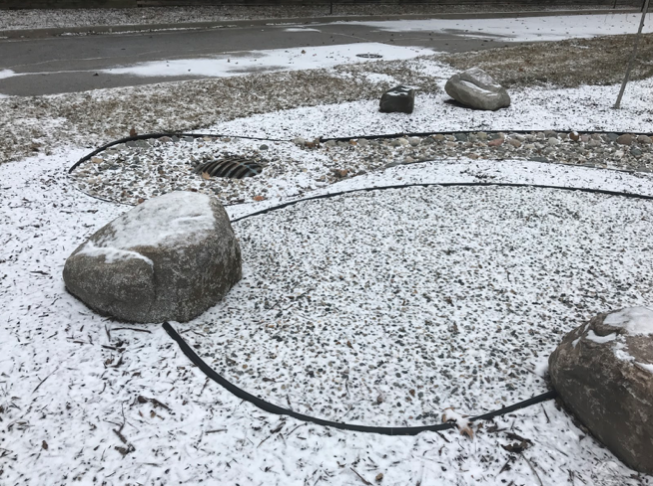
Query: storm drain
<point x="232" y="167"/>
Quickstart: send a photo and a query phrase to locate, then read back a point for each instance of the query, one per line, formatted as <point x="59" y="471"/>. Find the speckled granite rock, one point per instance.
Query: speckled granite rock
<point x="603" y="371"/>
<point x="476" y="89"/>
<point x="170" y="258"/>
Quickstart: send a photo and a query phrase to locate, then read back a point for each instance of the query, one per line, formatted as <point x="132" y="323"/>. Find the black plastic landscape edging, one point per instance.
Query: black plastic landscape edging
<point x="323" y="139"/>
<point x="147" y="136"/>
<point x="450" y="132"/>
<point x="275" y="409"/>
<point x="443" y="184"/>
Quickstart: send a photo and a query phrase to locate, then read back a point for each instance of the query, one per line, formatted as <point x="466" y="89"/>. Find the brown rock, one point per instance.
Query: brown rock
<point x="645" y="139"/>
<point x="603" y="371"/>
<point x="574" y="136"/>
<point x="514" y="142"/>
<point x="495" y="143"/>
<point x="625" y="139"/>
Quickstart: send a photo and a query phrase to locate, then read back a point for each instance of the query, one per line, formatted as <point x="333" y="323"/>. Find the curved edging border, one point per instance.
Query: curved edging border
<point x="147" y="136"/>
<point x="444" y="184"/>
<point x="275" y="409"/>
<point x="453" y="132"/>
<point x="322" y="139"/>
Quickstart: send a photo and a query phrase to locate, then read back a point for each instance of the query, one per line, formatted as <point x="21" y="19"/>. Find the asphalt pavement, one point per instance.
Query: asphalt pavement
<point x="39" y="65"/>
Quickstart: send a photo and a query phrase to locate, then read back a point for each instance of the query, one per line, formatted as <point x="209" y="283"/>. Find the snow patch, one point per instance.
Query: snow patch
<point x="7" y="73"/>
<point x="292" y="59"/>
<point x="592" y="336"/>
<point x="299" y="29"/>
<point x="112" y="254"/>
<point x="645" y="366"/>
<point x="542" y="367"/>
<point x="637" y="321"/>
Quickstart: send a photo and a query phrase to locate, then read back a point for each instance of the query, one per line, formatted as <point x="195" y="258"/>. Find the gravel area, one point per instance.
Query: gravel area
<point x="568" y="63"/>
<point x="88" y="119"/>
<point x="40" y="124"/>
<point x="386" y="307"/>
<point x="133" y="172"/>
<point x="38" y="19"/>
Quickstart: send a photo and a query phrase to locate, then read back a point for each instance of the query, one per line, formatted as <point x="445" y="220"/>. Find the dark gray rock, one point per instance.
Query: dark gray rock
<point x="399" y="99"/>
<point x="603" y="371"/>
<point x="170" y="258"/>
<point x="612" y="137"/>
<point x="476" y="89"/>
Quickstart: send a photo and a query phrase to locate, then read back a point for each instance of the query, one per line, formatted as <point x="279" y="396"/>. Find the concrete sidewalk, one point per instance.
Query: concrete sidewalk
<point x="40" y="33"/>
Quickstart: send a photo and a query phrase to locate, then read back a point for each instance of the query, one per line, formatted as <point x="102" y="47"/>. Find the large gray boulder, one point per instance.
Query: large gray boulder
<point x="476" y="89"/>
<point x="603" y="372"/>
<point x="170" y="258"/>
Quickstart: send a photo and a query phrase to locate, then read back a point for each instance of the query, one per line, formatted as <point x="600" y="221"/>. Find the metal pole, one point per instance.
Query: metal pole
<point x="632" y="57"/>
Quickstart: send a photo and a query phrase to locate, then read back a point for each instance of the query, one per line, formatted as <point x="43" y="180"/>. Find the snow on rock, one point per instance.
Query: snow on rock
<point x="591" y="335"/>
<point x="636" y="321"/>
<point x="178" y="218"/>
<point x="170" y="258"/>
<point x="602" y="371"/>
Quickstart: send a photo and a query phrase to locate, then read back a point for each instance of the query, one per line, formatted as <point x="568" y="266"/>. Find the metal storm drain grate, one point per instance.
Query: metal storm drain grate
<point x="232" y="167"/>
<point x="369" y="55"/>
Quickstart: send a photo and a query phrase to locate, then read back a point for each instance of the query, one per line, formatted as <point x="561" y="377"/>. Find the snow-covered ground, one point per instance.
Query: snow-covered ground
<point x="86" y="400"/>
<point x="528" y="29"/>
<point x="75" y="385"/>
